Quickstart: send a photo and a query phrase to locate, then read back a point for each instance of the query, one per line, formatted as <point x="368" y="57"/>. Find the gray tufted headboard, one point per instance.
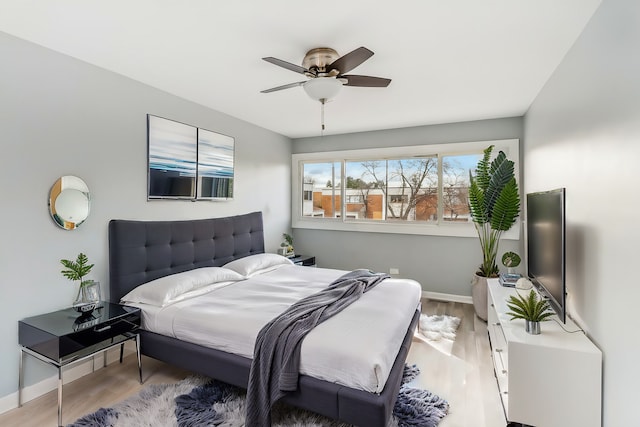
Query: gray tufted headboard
<point x="141" y="251"/>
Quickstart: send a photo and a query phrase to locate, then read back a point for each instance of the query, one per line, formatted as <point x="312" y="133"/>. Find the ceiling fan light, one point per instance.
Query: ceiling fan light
<point x="321" y="88"/>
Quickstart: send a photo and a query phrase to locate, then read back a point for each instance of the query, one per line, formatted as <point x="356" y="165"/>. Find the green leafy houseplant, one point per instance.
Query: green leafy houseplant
<point x="288" y="243"/>
<point x="530" y="307"/>
<point x="511" y="259"/>
<point x="494" y="205"/>
<point x="78" y="269"/>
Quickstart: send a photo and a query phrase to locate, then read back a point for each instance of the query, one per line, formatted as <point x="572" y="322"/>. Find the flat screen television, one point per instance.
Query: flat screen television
<point x="546" y="238"/>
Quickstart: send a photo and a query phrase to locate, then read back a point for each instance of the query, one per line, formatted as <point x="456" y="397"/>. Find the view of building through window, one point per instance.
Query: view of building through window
<point x="417" y="189"/>
<point x="322" y="181"/>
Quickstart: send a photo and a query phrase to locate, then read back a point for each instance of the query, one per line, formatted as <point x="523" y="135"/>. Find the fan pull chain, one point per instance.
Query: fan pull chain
<point x="322" y="117"/>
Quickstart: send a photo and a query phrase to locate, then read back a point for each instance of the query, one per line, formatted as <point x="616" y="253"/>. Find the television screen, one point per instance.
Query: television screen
<point x="546" y="246"/>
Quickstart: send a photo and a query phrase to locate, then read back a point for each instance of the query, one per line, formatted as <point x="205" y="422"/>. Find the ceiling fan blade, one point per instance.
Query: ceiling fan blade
<point x="351" y="60"/>
<point x="290" y="85"/>
<point x="284" y="64"/>
<point x="365" y="81"/>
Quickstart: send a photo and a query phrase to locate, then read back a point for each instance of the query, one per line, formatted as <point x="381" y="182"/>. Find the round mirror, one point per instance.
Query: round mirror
<point x="69" y="201"/>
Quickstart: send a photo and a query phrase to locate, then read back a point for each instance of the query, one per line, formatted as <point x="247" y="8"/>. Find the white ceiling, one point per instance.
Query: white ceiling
<point x="449" y="61"/>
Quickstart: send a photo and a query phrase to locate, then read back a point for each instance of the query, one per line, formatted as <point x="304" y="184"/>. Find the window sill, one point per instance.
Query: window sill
<point x="447" y="230"/>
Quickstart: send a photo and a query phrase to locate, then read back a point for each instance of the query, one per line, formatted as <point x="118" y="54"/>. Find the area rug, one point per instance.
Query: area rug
<point x="199" y="401"/>
<point x="439" y="331"/>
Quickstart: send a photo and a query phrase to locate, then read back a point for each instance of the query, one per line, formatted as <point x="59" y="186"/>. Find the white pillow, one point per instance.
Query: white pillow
<point x="256" y="264"/>
<point x="173" y="288"/>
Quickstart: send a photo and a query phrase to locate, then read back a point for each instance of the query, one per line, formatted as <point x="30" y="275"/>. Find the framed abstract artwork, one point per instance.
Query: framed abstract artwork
<point x="173" y="159"/>
<point x="186" y="162"/>
<point x="215" y="165"/>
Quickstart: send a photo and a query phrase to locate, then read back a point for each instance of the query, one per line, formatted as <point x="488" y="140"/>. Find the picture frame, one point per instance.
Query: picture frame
<point x="187" y="162"/>
<point x="215" y="165"/>
<point x="172" y="159"/>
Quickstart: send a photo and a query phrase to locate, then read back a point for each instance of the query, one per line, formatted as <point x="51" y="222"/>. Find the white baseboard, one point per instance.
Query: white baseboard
<point x="40" y="388"/>
<point x="447" y="297"/>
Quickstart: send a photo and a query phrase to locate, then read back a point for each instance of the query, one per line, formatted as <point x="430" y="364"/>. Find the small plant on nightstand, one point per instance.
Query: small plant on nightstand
<point x="287" y="244"/>
<point x="531" y="308"/>
<point x="89" y="291"/>
<point x="76" y="270"/>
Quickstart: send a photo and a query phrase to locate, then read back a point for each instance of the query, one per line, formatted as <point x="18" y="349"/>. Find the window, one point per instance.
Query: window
<point x="321" y="189"/>
<point x="455" y="186"/>
<point x="416" y="190"/>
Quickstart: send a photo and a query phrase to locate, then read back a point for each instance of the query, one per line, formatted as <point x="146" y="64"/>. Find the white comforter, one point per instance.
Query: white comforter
<point x="355" y="348"/>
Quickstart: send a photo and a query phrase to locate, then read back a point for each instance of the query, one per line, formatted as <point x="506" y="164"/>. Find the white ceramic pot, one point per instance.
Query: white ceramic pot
<point x="479" y="296"/>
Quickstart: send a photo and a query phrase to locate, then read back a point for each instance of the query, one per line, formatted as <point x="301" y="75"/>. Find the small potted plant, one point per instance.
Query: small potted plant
<point x="531" y="308"/>
<point x="88" y="291"/>
<point x="287" y="244"/>
<point x="511" y="260"/>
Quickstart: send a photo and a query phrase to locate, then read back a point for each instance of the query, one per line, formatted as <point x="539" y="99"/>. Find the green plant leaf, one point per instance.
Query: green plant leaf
<point x="507" y="207"/>
<point x="528" y="307"/>
<point x="476" y="202"/>
<point x="76" y="270"/>
<point x="501" y="172"/>
<point x="511" y="259"/>
<point x="482" y="169"/>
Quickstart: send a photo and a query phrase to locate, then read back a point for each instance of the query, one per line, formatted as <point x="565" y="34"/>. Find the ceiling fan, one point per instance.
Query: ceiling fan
<point x="327" y="70"/>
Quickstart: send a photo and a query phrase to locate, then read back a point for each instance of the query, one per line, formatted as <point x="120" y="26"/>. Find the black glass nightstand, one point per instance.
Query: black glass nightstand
<point x="62" y="338"/>
<point x="305" y="260"/>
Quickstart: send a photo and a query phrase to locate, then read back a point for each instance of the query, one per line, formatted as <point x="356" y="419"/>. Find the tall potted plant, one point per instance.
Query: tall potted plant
<point x="494" y="205"/>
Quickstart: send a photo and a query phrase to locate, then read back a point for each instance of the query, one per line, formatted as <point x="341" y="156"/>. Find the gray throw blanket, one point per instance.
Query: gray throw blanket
<point x="276" y="355"/>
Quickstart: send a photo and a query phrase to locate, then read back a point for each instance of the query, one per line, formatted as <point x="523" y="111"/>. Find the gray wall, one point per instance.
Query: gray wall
<point x="440" y="264"/>
<point x="583" y="133"/>
<point x="60" y="116"/>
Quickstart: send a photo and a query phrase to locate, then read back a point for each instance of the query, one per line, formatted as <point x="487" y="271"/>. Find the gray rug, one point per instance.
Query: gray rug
<point x="199" y="401"/>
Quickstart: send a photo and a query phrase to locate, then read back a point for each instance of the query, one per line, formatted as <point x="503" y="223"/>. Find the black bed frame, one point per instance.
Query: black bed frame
<point x="141" y="251"/>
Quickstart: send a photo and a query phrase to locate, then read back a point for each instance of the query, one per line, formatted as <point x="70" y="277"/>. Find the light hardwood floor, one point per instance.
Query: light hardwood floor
<point x="461" y="373"/>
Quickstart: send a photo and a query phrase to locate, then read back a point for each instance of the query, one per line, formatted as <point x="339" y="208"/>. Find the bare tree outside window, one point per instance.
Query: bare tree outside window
<point x="455" y="186"/>
<point x="401" y="189"/>
<point x="409" y="186"/>
<point x="358" y="193"/>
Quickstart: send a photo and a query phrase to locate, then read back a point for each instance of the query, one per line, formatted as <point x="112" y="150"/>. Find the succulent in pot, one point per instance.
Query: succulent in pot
<point x="531" y="308"/>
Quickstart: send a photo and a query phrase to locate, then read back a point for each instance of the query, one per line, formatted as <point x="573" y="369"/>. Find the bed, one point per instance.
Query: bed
<point x="149" y="251"/>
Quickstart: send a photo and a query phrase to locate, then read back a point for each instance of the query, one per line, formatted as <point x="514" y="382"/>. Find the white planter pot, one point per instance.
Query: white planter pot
<point x="479" y="296"/>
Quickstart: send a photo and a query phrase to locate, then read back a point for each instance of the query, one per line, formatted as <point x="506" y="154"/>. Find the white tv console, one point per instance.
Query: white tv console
<point x="549" y="380"/>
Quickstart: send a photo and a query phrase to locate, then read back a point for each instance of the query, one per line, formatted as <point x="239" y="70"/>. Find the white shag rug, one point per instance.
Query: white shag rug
<point x="437" y="327"/>
<point x="439" y="331"/>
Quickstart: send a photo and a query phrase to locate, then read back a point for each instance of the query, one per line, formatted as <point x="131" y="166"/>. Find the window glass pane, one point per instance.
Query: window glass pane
<point x="365" y="189"/>
<point x="420" y="189"/>
<point x="412" y="189"/>
<point x="455" y="186"/>
<point x="321" y="190"/>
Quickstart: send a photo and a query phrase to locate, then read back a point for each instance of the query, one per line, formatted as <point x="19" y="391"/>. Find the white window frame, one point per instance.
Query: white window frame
<point x="439" y="228"/>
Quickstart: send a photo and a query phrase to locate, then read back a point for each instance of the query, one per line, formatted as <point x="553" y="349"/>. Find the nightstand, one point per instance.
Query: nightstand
<point x="63" y="338"/>
<point x="304" y="260"/>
